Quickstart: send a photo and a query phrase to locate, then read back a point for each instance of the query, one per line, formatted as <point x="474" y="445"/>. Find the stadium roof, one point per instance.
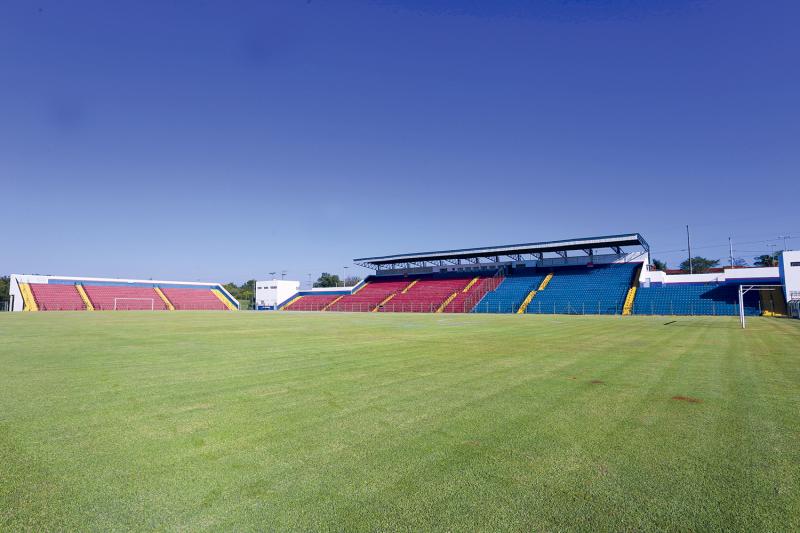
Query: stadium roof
<point x="512" y="251"/>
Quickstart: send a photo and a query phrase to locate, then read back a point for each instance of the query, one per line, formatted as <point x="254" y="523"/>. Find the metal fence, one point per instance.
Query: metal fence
<point x="4" y="306"/>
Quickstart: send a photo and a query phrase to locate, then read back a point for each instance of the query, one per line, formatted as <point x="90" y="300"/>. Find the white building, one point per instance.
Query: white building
<point x="269" y="294"/>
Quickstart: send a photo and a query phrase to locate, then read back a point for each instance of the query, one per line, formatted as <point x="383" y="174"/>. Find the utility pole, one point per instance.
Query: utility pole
<point x="689" y="246"/>
<point x="730" y="251"/>
<point x="784" y="237"/>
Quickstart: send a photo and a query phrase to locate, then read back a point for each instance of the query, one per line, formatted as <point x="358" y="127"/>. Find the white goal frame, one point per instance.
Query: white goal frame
<point x="151" y="300"/>
<point x="744" y="289"/>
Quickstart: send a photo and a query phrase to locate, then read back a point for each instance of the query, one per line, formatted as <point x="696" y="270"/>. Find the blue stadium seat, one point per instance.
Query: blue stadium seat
<point x="511" y="292"/>
<point x="598" y="290"/>
<point x="694" y="299"/>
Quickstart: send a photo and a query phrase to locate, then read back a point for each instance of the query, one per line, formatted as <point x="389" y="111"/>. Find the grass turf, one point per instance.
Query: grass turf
<point x="377" y="421"/>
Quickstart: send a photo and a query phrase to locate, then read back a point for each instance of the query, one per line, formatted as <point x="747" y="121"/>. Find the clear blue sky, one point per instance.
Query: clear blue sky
<point x="225" y="140"/>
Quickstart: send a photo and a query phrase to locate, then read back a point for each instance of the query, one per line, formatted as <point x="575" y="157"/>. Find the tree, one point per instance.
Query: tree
<point x="659" y="265"/>
<point x="699" y="264"/>
<point x="351" y="281"/>
<point x="328" y="280"/>
<point x="739" y="262"/>
<point x="5" y="282"/>
<point x="766" y="260"/>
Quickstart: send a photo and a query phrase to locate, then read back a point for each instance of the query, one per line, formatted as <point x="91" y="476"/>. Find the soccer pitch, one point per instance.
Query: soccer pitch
<point x="293" y="421"/>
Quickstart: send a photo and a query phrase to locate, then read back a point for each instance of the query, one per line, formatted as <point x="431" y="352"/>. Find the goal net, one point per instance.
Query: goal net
<point x="134" y="304"/>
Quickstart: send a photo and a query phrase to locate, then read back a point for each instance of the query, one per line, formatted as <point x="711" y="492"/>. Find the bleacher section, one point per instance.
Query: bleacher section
<point x="120" y="298"/>
<point x="57" y="297"/>
<point x="510" y="294"/>
<point x="598" y="290"/>
<point x="193" y="299"/>
<point x="693" y="299"/>
<point x="311" y="302"/>
<point x="467" y="298"/>
<point x="425" y="295"/>
<point x="369" y="297"/>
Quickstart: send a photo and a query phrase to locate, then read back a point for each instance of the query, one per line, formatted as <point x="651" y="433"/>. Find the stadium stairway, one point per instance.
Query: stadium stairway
<point x="332" y="303"/>
<point x="426" y="295"/>
<point x="85" y="297"/>
<point x="447" y="301"/>
<point x="164" y="298"/>
<point x="28" y="301"/>
<point x="526" y="301"/>
<point x="465" y="299"/>
<point x="627" y="307"/>
<point x="599" y="289"/>
<point x="370" y="295"/>
<point x="510" y="293"/>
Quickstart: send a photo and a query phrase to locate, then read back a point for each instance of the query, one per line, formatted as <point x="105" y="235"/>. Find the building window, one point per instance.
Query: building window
<point x="796" y="263"/>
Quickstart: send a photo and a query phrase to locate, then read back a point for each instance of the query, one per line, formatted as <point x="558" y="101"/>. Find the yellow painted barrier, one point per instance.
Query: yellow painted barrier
<point x="471" y="283"/>
<point x="627" y="307"/>
<point x="526" y="302"/>
<point x="290" y="302"/>
<point x="408" y="287"/>
<point x="384" y="301"/>
<point x="219" y="295"/>
<point x="28" y="301"/>
<point x="545" y="282"/>
<point x="164" y="298"/>
<point x="449" y="299"/>
<point x="85" y="297"/>
<point x="333" y="302"/>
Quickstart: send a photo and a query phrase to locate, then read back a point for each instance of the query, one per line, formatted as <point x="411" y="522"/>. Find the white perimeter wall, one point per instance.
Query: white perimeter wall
<point x="729" y="274"/>
<point x="790" y="274"/>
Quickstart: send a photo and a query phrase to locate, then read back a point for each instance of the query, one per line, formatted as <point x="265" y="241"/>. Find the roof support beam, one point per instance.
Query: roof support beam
<point x="562" y="253"/>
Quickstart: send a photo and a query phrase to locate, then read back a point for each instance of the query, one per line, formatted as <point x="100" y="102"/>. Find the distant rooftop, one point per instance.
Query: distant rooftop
<point x="516" y="252"/>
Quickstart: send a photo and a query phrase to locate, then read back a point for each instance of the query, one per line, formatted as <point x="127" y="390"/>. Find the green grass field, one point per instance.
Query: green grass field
<point x="224" y="421"/>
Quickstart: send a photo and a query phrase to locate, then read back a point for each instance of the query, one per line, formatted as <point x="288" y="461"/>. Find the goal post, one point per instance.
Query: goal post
<point x="744" y="289"/>
<point x="119" y="301"/>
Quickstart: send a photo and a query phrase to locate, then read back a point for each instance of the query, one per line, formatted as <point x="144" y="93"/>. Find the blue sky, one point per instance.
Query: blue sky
<point x="226" y="140"/>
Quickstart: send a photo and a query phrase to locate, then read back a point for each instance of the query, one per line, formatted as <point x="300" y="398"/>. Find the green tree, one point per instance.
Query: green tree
<point x="766" y="260"/>
<point x="328" y="280"/>
<point x="232" y="288"/>
<point x="739" y="262"/>
<point x="351" y="281"/>
<point x="5" y="282"/>
<point x="659" y="265"/>
<point x="699" y="264"/>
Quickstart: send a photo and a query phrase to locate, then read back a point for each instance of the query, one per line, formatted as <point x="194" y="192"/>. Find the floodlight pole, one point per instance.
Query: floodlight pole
<point x="689" y="246"/>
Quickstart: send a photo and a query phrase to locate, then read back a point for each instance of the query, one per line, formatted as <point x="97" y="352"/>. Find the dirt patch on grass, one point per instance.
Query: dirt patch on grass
<point x="597" y="382"/>
<point x="687" y="399"/>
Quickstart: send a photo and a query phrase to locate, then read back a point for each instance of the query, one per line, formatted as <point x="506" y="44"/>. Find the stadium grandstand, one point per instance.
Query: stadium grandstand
<point x="608" y="275"/>
<point x="64" y="293"/>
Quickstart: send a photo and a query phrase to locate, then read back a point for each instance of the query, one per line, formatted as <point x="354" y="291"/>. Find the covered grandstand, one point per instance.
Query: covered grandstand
<point x="605" y="275"/>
